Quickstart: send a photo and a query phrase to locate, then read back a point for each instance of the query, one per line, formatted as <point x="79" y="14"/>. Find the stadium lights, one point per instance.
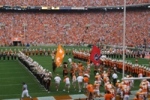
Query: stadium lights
<point x="55" y="8"/>
<point x="7" y="7"/>
<point x="23" y="7"/>
<point x="78" y="8"/>
<point x="44" y="8"/>
<point x="17" y="8"/>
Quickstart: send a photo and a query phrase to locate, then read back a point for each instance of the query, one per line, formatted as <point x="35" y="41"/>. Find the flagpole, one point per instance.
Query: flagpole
<point x="124" y="32"/>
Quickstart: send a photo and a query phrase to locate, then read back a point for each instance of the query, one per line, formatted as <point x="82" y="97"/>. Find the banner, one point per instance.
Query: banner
<point x="95" y="55"/>
<point x="59" y="55"/>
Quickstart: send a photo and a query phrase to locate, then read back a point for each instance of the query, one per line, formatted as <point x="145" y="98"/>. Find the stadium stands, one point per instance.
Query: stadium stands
<point x="71" y="2"/>
<point x="74" y="28"/>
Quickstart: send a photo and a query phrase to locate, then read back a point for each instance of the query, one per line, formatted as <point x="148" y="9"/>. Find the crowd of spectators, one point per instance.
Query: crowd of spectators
<point x="70" y="2"/>
<point x="75" y="28"/>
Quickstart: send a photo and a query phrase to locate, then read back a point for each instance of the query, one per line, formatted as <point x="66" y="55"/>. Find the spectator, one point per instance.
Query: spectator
<point x="72" y="3"/>
<point x="106" y="28"/>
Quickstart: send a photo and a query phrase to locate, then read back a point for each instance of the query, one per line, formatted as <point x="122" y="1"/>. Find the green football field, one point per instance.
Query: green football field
<point x="13" y="73"/>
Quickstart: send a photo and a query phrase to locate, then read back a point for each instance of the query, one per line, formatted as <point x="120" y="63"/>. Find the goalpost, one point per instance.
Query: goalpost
<point x="136" y="78"/>
<point x="124" y="32"/>
<point x="124" y="47"/>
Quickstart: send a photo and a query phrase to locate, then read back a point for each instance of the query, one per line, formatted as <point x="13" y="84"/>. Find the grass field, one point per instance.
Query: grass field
<point x="13" y="73"/>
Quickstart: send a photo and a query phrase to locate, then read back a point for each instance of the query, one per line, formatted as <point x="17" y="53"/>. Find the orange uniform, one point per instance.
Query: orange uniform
<point x="86" y="79"/>
<point x="108" y="96"/>
<point x="90" y="88"/>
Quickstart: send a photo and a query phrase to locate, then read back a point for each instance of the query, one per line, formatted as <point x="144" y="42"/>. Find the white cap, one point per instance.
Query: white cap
<point x="97" y="73"/>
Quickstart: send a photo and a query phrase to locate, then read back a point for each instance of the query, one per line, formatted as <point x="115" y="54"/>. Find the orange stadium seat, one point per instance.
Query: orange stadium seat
<point x="89" y="28"/>
<point x="71" y="2"/>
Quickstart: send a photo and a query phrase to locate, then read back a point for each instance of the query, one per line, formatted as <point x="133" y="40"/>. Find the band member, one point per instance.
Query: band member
<point x="139" y="95"/>
<point x="15" y="54"/>
<point x="36" y="52"/>
<point x="54" y="66"/>
<point x="97" y="87"/>
<point x="48" y="52"/>
<point x="65" y="69"/>
<point x="1" y="54"/>
<point x="144" y="87"/>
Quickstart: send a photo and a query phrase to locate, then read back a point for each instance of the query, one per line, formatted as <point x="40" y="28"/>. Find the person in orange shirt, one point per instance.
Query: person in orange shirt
<point x="85" y="80"/>
<point x="108" y="96"/>
<point x="80" y="68"/>
<point x="90" y="90"/>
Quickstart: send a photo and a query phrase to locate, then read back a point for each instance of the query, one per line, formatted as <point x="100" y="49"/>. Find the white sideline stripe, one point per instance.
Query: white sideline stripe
<point x="46" y="98"/>
<point x="11" y="99"/>
<point x="74" y="96"/>
<point x="77" y="96"/>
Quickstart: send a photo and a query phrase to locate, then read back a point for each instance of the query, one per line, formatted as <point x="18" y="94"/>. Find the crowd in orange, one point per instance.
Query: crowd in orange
<point x="74" y="28"/>
<point x="70" y="2"/>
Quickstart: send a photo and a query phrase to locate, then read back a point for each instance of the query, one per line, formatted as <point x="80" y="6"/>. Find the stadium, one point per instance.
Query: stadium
<point x="99" y="49"/>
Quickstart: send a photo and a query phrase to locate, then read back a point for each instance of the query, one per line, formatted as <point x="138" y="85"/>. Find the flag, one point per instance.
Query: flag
<point x="59" y="55"/>
<point x="95" y="55"/>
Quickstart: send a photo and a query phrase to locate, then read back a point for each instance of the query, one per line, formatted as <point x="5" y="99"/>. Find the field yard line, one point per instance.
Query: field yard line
<point x="10" y="72"/>
<point x="14" y="77"/>
<point x="37" y="93"/>
<point x="21" y="93"/>
<point x="9" y="69"/>
<point x="79" y="60"/>
<point x="35" y="79"/>
<point x="14" y="84"/>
